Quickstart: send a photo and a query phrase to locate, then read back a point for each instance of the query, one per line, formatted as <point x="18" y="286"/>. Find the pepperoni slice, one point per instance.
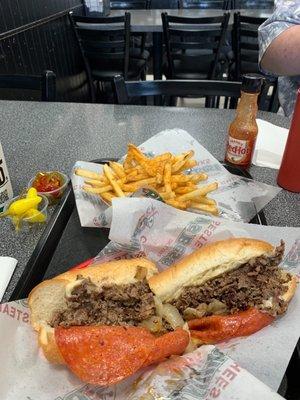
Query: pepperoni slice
<point x="172" y="343"/>
<point x="216" y="328"/>
<point x="104" y="355"/>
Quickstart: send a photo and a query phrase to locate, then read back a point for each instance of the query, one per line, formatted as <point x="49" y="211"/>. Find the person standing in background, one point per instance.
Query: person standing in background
<point x="279" y="54"/>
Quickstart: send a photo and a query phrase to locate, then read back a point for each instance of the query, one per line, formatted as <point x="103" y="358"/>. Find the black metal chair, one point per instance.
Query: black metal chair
<point x="194" y="46"/>
<point x="211" y="90"/>
<point x="44" y="83"/>
<point x="245" y="45"/>
<point x="252" y="4"/>
<point x="273" y="103"/>
<point x="269" y="100"/>
<point x="138" y="48"/>
<point x="105" y="47"/>
<point x="245" y="56"/>
<point x="204" y="4"/>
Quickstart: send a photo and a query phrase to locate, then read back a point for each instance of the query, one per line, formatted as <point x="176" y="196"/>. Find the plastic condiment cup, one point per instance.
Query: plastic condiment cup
<point x="26" y="224"/>
<point x="55" y="195"/>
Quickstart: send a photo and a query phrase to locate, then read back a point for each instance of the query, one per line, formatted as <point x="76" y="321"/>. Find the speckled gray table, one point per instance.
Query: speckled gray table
<point x="44" y="136"/>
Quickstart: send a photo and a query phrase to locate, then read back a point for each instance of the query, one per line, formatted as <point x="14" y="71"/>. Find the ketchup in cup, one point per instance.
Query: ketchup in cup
<point x="289" y="172"/>
<point x="47" y="182"/>
<point x="51" y="184"/>
<point x="243" y="129"/>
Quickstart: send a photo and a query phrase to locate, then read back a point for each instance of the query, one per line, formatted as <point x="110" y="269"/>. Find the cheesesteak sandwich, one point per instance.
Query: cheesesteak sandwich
<point x="96" y="321"/>
<point x="109" y="320"/>
<point x="227" y="289"/>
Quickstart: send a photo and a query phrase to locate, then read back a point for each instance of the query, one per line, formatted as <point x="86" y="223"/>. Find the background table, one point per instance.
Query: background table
<point x="49" y="136"/>
<point x="150" y="21"/>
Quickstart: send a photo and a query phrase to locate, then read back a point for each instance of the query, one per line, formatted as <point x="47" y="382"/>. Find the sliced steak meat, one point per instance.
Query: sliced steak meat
<point x="109" y="305"/>
<point x="258" y="283"/>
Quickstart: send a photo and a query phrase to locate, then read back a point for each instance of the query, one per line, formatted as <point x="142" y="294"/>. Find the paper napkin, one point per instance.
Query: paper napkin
<point x="270" y="144"/>
<point x="7" y="267"/>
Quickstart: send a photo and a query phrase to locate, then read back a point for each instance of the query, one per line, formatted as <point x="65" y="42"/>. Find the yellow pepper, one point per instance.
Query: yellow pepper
<point x="32" y="192"/>
<point x="25" y="207"/>
<point x="17" y="222"/>
<point x="34" y="215"/>
<point x="20" y="206"/>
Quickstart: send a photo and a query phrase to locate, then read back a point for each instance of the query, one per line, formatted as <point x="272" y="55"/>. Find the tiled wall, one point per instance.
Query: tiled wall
<point x="30" y="49"/>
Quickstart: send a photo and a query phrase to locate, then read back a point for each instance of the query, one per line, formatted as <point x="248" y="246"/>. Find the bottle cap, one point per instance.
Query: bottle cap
<point x="251" y="83"/>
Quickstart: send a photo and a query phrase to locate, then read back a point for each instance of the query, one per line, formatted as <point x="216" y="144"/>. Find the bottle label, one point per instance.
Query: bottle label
<point x="238" y="151"/>
<point x="6" y="192"/>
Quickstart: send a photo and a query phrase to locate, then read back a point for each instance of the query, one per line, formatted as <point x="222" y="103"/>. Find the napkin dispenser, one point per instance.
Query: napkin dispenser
<point x="289" y="172"/>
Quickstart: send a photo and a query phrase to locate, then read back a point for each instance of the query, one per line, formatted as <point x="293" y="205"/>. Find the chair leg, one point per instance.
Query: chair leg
<point x="98" y="90"/>
<point x="210" y="102"/>
<point x="143" y="74"/>
<point x="226" y="103"/>
<point x="173" y="101"/>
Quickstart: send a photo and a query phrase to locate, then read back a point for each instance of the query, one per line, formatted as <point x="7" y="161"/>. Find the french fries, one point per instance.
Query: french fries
<point x="112" y="180"/>
<point x="118" y="169"/>
<point x="165" y="173"/>
<point x="211" y="209"/>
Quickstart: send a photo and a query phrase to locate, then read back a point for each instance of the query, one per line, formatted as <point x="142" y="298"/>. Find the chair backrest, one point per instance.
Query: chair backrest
<point x="268" y="98"/>
<point x="245" y="44"/>
<point x="210" y="89"/>
<point x="130" y="4"/>
<point x="103" y="40"/>
<point x="203" y="4"/>
<point x="184" y="37"/>
<point x="45" y="84"/>
<point x="252" y="4"/>
<point x="274" y="104"/>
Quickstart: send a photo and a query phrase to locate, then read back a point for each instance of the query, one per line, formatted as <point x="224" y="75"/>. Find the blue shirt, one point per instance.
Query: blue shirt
<point x="286" y="14"/>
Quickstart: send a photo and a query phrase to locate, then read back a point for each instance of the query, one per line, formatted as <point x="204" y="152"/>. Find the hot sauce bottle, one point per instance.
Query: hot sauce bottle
<point x="243" y="129"/>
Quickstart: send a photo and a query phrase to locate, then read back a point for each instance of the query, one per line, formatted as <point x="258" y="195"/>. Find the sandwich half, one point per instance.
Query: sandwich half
<point x="225" y="278"/>
<point x="96" y="321"/>
<point x="106" y="294"/>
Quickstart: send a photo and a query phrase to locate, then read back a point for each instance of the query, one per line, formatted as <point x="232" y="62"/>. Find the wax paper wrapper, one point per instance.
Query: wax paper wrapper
<point x="146" y="227"/>
<point x="239" y="199"/>
<point x="206" y="373"/>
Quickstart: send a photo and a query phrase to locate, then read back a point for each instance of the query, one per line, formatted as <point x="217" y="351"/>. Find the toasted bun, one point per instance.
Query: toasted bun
<point x="48" y="344"/>
<point x="205" y="264"/>
<point x="292" y="286"/>
<point x="49" y="296"/>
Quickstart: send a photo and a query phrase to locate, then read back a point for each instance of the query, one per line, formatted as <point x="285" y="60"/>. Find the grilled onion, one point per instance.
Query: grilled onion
<point x="154" y="324"/>
<point x="172" y="316"/>
<point x="159" y="306"/>
<point x="168" y="313"/>
<point x="193" y="313"/>
<point x="216" y="307"/>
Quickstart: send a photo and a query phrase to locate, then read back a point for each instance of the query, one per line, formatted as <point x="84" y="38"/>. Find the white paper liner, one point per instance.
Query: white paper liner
<point x="146" y="227"/>
<point x="203" y="375"/>
<point x="7" y="267"/>
<point x="239" y="199"/>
